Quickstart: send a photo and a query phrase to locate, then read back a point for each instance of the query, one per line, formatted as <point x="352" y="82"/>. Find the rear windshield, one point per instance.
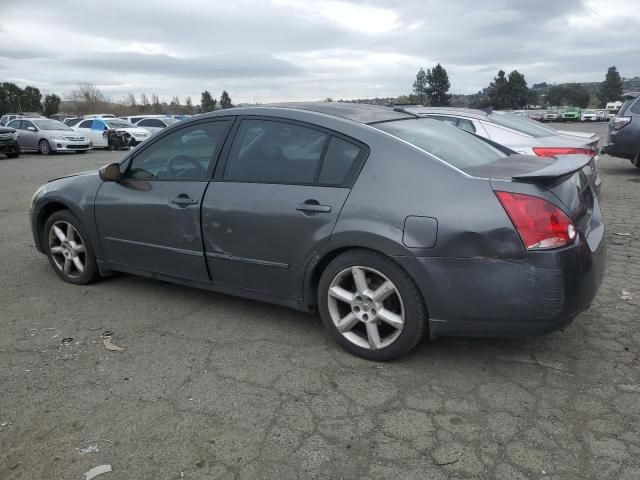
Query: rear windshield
<point x="521" y="124"/>
<point x="456" y="147"/>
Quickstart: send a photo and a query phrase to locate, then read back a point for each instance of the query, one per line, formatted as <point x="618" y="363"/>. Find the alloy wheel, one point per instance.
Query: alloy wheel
<point x="366" y="307"/>
<point x="45" y="148"/>
<point x="67" y="249"/>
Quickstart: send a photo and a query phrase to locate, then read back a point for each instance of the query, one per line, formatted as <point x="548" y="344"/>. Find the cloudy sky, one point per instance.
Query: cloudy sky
<point x="276" y="50"/>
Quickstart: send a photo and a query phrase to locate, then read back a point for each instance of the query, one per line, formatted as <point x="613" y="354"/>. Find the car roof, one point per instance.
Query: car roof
<point x="357" y="112"/>
<point x="463" y="112"/>
<point x="631" y="95"/>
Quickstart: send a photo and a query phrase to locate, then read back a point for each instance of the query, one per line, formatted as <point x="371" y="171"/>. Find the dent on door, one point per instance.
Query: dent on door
<point x="260" y="236"/>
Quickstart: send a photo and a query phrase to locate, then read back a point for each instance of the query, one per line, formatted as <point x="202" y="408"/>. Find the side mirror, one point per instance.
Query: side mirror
<point x="111" y="172"/>
<point x="32" y="129"/>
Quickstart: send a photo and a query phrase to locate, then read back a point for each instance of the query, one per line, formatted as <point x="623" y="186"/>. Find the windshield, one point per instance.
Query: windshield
<point x="118" y="123"/>
<point x="521" y="124"/>
<point x="51" y="125"/>
<point x="451" y="144"/>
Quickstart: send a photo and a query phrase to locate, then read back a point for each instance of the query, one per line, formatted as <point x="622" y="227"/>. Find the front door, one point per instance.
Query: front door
<point x="150" y="220"/>
<point x="28" y="135"/>
<point x="275" y="204"/>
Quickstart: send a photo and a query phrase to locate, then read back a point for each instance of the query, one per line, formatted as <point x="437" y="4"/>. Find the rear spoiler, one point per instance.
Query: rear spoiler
<point x="563" y="166"/>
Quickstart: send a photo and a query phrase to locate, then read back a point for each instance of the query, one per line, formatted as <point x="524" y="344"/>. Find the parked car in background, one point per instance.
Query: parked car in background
<point x="601" y="116"/>
<point x="9" y="142"/>
<point x="8" y="117"/>
<point x="624" y="130"/>
<point x="48" y="136"/>
<point x="571" y="114"/>
<point x="612" y="108"/>
<point x="551" y="116"/>
<point x="519" y="134"/>
<point x="588" y="116"/>
<point x="133" y="119"/>
<point x="181" y="117"/>
<point x="535" y="115"/>
<point x="71" y="121"/>
<point x="154" y="125"/>
<point x="99" y="115"/>
<point x="96" y="130"/>
<point x="380" y="220"/>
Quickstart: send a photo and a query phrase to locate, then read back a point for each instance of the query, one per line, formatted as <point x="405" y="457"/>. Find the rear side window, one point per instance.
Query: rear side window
<point x="338" y="161"/>
<point x="466" y="125"/>
<point x="635" y="108"/>
<point x="448" y="143"/>
<point x="267" y="151"/>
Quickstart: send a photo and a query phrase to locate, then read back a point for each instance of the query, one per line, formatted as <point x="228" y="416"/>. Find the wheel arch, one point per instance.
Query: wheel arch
<point x="43" y="213"/>
<point x="320" y="262"/>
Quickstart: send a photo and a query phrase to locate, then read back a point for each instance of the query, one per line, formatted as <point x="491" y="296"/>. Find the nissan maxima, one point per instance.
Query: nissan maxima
<point x="389" y="225"/>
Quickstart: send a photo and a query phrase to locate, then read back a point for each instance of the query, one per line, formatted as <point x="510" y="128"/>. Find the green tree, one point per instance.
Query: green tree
<point x="225" y="100"/>
<point x="572" y="94"/>
<point x="51" y="104"/>
<point x="497" y="91"/>
<point x="207" y="102"/>
<point x="611" y="89"/>
<point x="518" y="93"/>
<point x="31" y="99"/>
<point x="437" y="86"/>
<point x="420" y="86"/>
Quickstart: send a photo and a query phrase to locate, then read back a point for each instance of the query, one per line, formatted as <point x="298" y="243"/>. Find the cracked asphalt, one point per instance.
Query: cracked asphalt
<point x="215" y="387"/>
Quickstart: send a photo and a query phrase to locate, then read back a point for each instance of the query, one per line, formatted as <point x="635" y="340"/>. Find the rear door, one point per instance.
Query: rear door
<point x="150" y="220"/>
<point x="275" y="202"/>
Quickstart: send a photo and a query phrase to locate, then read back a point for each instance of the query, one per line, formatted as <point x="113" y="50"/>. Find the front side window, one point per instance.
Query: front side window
<point x="186" y="154"/>
<point x="635" y="108"/>
<point x="466" y="125"/>
<point x="86" y="124"/>
<point x="270" y="151"/>
<point x="450" y="144"/>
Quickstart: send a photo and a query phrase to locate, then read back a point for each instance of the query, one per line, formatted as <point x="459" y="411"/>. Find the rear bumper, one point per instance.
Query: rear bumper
<point x="499" y="297"/>
<point x="624" y="143"/>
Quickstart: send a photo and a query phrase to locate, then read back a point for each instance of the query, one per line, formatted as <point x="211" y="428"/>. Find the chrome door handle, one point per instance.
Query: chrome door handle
<point x="184" y="201"/>
<point x="308" y="207"/>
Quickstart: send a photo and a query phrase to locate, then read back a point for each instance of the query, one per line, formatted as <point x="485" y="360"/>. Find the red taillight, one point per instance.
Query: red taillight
<point x="554" y="151"/>
<point x="540" y="223"/>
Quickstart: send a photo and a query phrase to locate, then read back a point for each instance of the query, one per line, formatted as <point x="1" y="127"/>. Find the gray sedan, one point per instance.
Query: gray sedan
<point x="48" y="136"/>
<point x="389" y="225"/>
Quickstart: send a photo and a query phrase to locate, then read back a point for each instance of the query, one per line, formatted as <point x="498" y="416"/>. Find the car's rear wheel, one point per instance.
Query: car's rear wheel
<point x="44" y="147"/>
<point x="15" y="154"/>
<point x="69" y="250"/>
<point x="371" y="306"/>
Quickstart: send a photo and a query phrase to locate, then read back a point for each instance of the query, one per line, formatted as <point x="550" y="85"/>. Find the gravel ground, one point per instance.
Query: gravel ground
<point x="210" y="386"/>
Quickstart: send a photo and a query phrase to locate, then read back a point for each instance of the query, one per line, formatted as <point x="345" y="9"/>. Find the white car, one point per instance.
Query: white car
<point x="133" y="119"/>
<point x="95" y="129"/>
<point x="154" y="125"/>
<point x="588" y="116"/>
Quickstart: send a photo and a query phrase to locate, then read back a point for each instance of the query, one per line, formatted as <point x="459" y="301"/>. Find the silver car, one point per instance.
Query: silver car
<point x="48" y="136"/>
<point x="154" y="125"/>
<point x="518" y="133"/>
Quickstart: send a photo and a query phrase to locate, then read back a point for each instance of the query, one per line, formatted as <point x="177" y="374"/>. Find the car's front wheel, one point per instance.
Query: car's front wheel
<point x="69" y="250"/>
<point x="636" y="160"/>
<point x="371" y="306"/>
<point x="44" y="147"/>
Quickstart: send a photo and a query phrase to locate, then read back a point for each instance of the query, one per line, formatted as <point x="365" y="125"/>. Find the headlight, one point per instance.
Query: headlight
<point x="56" y="137"/>
<point x="15" y="135"/>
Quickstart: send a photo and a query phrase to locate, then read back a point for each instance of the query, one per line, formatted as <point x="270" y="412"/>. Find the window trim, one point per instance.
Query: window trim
<point x="350" y="178"/>
<point x="166" y="131"/>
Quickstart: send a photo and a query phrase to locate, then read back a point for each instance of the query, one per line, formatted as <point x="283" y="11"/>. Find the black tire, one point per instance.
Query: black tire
<point x="90" y="272"/>
<point x="13" y="155"/>
<point x="44" y="147"/>
<point x="415" y="312"/>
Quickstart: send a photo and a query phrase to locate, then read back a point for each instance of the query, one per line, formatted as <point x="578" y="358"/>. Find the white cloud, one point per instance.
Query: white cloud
<point x="274" y="50"/>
